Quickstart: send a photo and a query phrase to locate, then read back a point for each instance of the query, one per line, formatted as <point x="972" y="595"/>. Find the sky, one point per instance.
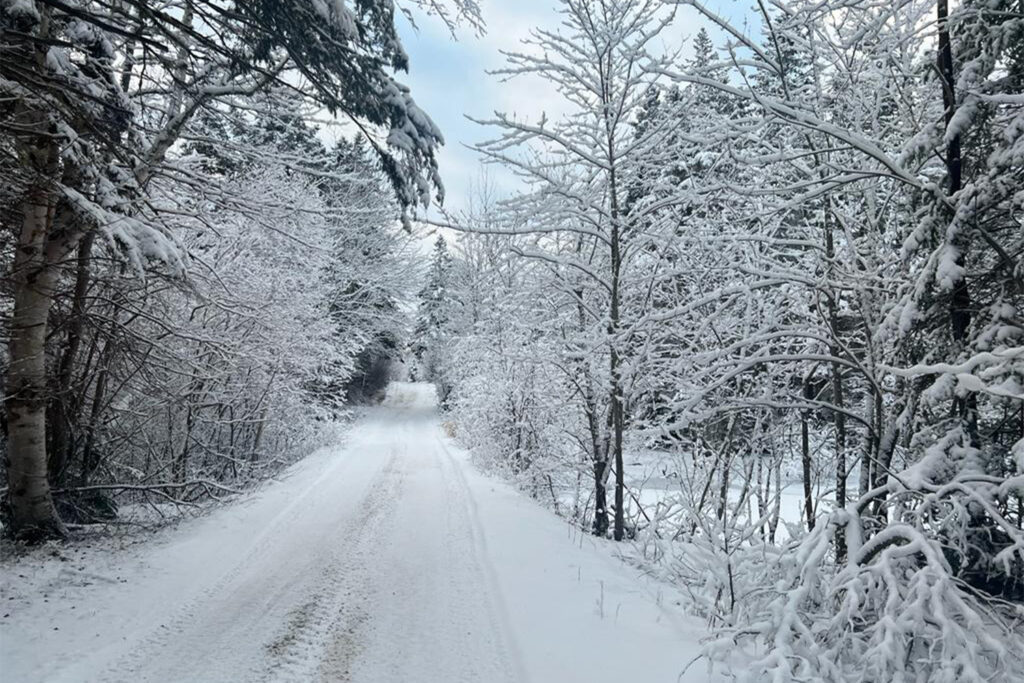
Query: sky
<point x="449" y="79"/>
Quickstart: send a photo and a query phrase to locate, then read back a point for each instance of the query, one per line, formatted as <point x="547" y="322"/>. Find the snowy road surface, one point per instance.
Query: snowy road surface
<point x="387" y="560"/>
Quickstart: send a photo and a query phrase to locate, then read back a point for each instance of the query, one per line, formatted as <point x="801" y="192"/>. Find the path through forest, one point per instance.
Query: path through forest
<point x="389" y="559"/>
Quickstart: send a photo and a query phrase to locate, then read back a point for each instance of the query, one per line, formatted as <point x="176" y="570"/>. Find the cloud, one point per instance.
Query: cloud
<point x="449" y="79"/>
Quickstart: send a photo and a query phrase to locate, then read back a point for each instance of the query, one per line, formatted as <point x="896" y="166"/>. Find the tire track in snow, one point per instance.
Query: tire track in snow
<point x="323" y="636"/>
<point x="492" y="595"/>
<point x="369" y="564"/>
<point x="433" y="616"/>
<point x="213" y="634"/>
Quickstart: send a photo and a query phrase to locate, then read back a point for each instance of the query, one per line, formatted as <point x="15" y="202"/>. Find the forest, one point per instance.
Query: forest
<point x="747" y="303"/>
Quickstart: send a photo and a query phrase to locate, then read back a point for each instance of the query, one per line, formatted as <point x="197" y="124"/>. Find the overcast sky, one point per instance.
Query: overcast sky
<point x="449" y="80"/>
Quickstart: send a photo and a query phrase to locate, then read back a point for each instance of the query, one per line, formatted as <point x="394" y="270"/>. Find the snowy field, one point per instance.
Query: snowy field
<point x="387" y="559"/>
<point x="654" y="480"/>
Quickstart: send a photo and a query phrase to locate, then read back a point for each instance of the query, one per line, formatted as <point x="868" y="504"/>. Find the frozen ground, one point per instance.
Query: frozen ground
<point x="388" y="560"/>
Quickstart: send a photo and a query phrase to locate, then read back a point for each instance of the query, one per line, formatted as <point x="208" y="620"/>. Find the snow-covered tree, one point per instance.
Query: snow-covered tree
<point x="580" y="168"/>
<point x="99" y="95"/>
<point x="434" y="318"/>
<point x="818" y="279"/>
<point x="875" y="162"/>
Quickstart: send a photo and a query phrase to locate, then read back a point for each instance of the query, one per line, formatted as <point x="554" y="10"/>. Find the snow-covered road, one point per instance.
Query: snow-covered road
<point x="387" y="560"/>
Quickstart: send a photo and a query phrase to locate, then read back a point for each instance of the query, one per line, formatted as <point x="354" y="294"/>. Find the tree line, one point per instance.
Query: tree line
<point x="194" y="281"/>
<point x="790" y="257"/>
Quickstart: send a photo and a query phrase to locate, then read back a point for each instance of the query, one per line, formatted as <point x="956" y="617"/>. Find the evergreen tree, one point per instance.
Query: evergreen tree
<point x="434" y="318"/>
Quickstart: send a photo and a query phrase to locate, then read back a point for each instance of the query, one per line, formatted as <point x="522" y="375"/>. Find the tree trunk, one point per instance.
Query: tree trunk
<point x="600" y="499"/>
<point x="805" y="460"/>
<point x="620" y="480"/>
<point x="839" y="419"/>
<point x="91" y="460"/>
<point x="65" y="407"/>
<point x="615" y="370"/>
<point x="33" y="515"/>
<point x="960" y="304"/>
<point x="773" y="521"/>
<point x="838" y="401"/>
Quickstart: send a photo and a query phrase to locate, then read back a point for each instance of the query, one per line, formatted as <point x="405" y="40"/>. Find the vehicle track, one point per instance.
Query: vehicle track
<point x="360" y="578"/>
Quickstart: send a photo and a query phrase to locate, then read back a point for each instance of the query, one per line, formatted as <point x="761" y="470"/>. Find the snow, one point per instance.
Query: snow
<point x="337" y="15"/>
<point x="654" y="490"/>
<point x="386" y="559"/>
